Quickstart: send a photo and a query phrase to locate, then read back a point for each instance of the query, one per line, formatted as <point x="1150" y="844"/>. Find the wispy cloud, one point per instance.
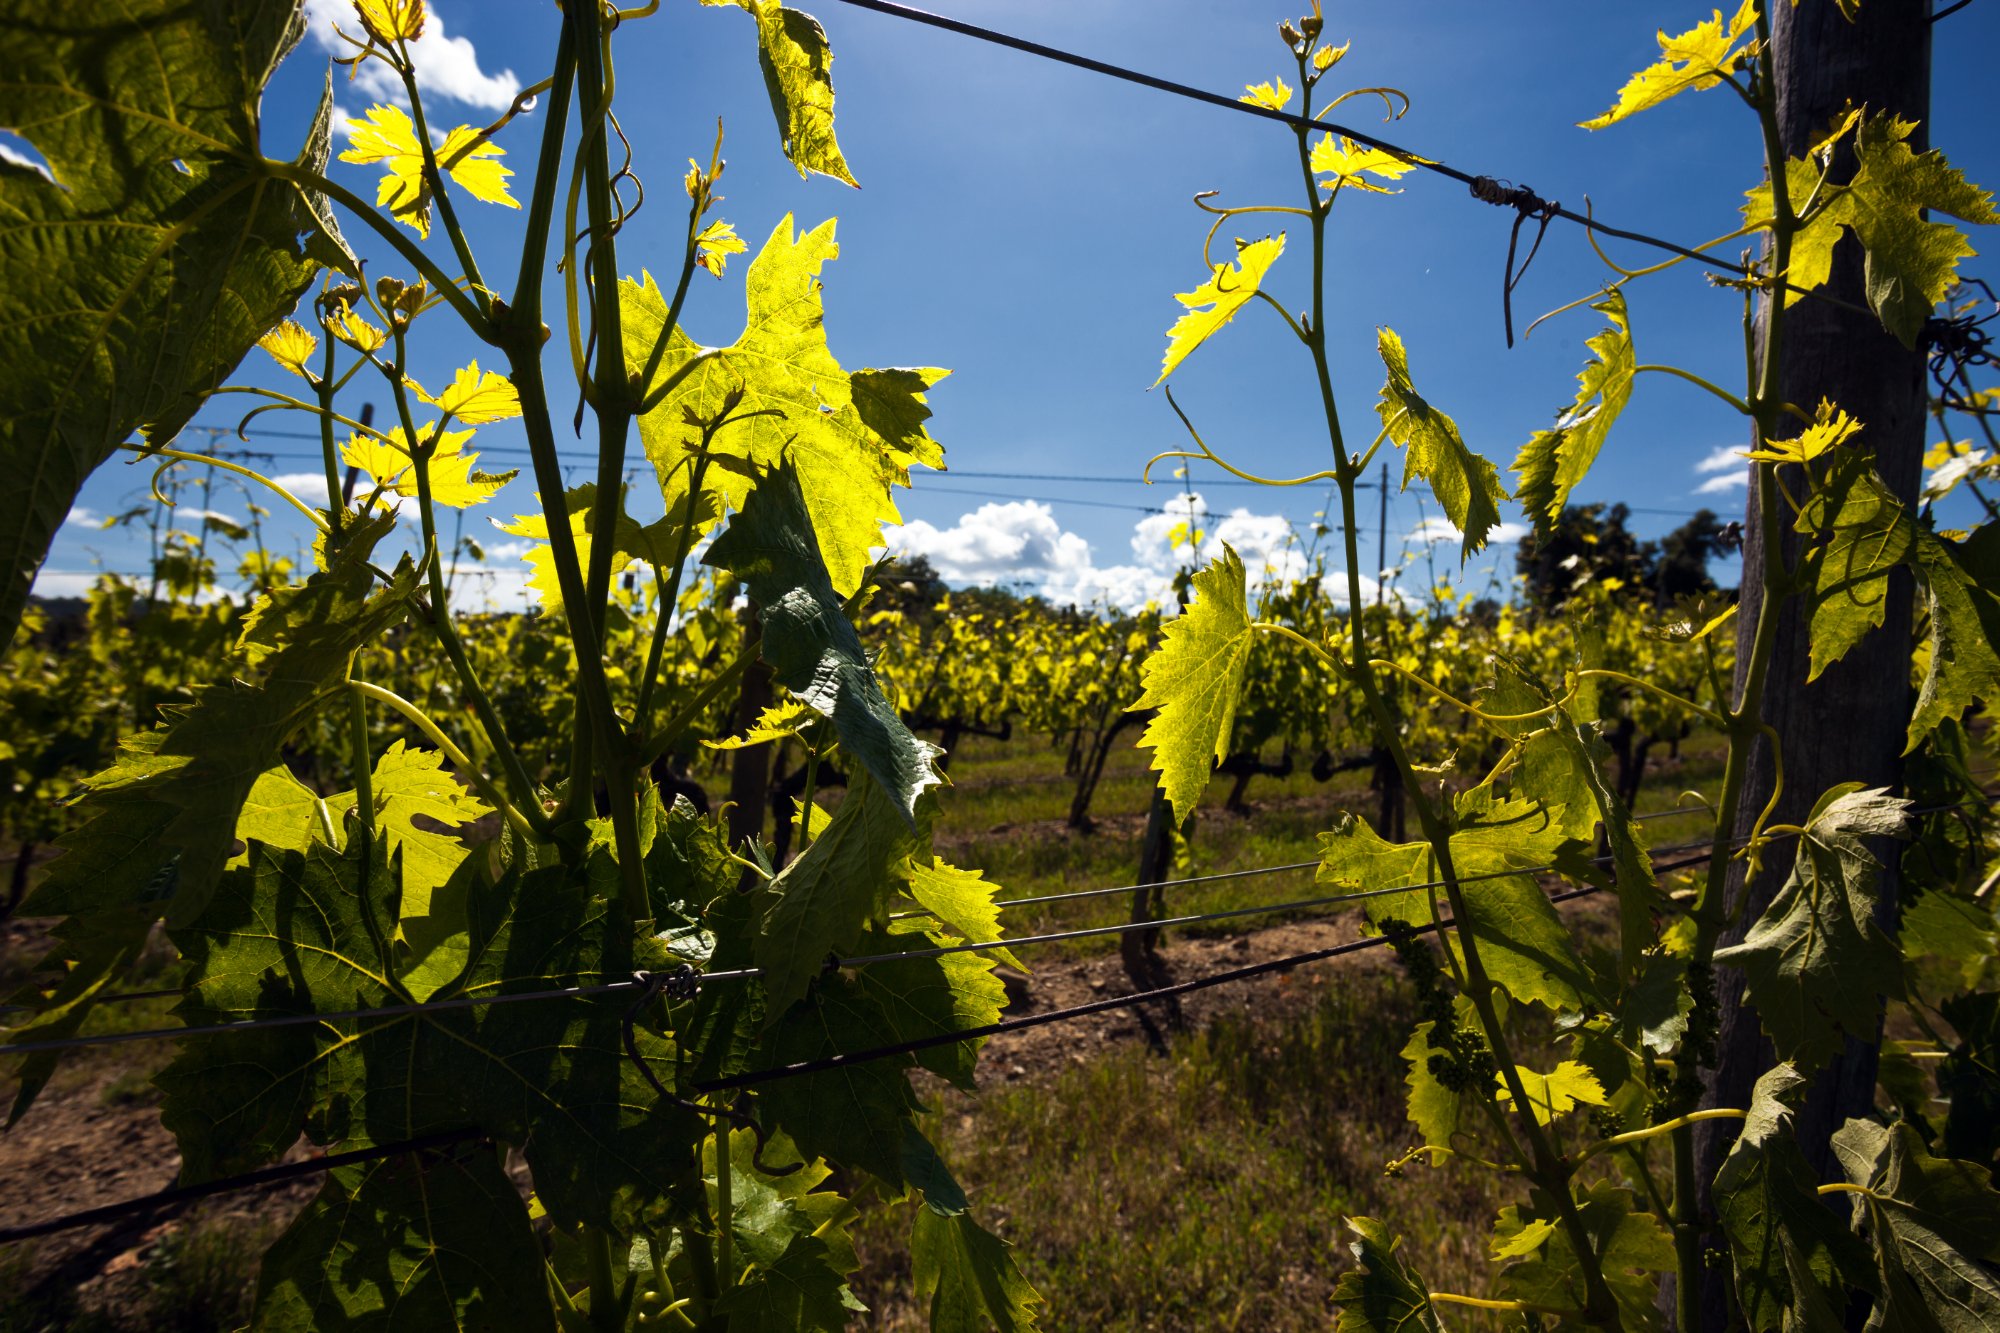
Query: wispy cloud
<point x="1723" y="458"/>
<point x="1437" y="528"/>
<point x="1723" y="484"/>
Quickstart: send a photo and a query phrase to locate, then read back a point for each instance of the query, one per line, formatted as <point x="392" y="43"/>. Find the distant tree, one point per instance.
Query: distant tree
<point x="1591" y="543"/>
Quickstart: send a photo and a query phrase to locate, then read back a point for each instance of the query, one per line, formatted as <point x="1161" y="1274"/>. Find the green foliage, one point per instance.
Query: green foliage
<point x="1793" y="1258"/>
<point x="412" y="1241"/>
<point x="1194" y="679"/>
<point x="1384" y="1295"/>
<point x="813" y="650"/>
<point x="1467" y="485"/>
<point x="155" y="254"/>
<point x="850" y="436"/>
<point x="798" y="65"/>
<point x="1229" y="288"/>
<point x="1815" y="963"/>
<point x="1554" y="461"/>
<point x="1933" y="1225"/>
<point x="1911" y="261"/>
<point x="968" y="1276"/>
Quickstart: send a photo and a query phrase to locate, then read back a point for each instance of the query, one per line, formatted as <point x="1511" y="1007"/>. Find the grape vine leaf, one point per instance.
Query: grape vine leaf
<point x="1696" y="59"/>
<point x="798" y="74"/>
<point x="281" y="811"/>
<point x="1214" y="303"/>
<point x="1554" y="462"/>
<point x="853" y="1114"/>
<point x="795" y="1276"/>
<point x="1970" y="1076"/>
<point x="388" y="136"/>
<point x="411" y="1241"/>
<point x="963" y="901"/>
<point x="1384" y="1294"/>
<point x="152" y="253"/>
<point x="851" y="442"/>
<point x="1467" y="485"/>
<point x="1631" y="1246"/>
<point x="552" y="1078"/>
<point x="1341" y="161"/>
<point x="813" y="649"/>
<point x="968" y="1277"/>
<point x="1934" y="1227"/>
<point x="1193" y="680"/>
<point x="179" y="791"/>
<point x="1910" y="261"/>
<point x="1557" y="1092"/>
<point x="1792" y="1257"/>
<point x="1961" y="586"/>
<point x="408" y="785"/>
<point x="1816" y="964"/>
<point x="849" y="877"/>
<point x="1562" y="763"/>
<point x="1495" y="849"/>
<point x="1868" y="534"/>
<point x="931" y="997"/>
<point x="1437" y="1110"/>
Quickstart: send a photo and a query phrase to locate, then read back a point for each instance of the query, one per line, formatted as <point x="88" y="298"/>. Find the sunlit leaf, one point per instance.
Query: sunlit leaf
<point x="1696" y="59"/>
<point x="798" y="74"/>
<point x="1193" y="680"/>
<point x="1215" y="302"/>
<point x="1553" y="463"/>
<point x="1467" y="485"/>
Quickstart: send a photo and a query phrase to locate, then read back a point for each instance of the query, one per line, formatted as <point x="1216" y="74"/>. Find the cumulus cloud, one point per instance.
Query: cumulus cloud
<point x="308" y="486"/>
<point x="446" y="66"/>
<point x="1724" y="483"/>
<point x="19" y="152"/>
<point x="1437" y="528"/>
<point x="83" y="516"/>
<point x="1021" y="545"/>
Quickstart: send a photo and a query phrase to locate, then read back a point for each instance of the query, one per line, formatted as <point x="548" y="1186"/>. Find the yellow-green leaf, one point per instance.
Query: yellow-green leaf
<point x="798" y="74"/>
<point x="1554" y="462"/>
<point x="1193" y="679"/>
<point x="1342" y="161"/>
<point x="1832" y="428"/>
<point x="1555" y="1093"/>
<point x="475" y="397"/>
<point x="389" y="21"/>
<point x="851" y="436"/>
<point x="388" y="136"/>
<point x="1216" y="301"/>
<point x="1697" y="58"/>
<point x="1467" y="485"/>
<point x="1275" y="94"/>
<point x="289" y="345"/>
<point x="1910" y="260"/>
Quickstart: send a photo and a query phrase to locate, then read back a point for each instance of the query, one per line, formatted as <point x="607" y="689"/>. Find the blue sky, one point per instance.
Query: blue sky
<point x="1027" y="224"/>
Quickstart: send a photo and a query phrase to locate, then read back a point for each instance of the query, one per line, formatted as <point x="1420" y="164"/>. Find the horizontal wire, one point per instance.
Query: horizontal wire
<point x="1291" y="119"/>
<point x="804" y="1068"/>
<point x="270" y="1175"/>
<point x="753" y="973"/>
<point x="756" y="1077"/>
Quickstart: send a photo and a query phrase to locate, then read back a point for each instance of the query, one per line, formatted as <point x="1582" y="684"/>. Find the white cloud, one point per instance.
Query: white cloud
<point x="1722" y="458"/>
<point x="83" y="516"/>
<point x="446" y="66"/>
<point x="1437" y="528"/>
<point x="1020" y="544"/>
<point x="308" y="486"/>
<point x="1724" y="483"/>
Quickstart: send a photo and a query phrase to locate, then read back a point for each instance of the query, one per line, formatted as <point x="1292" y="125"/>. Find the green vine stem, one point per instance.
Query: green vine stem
<point x="1745" y="720"/>
<point x="1544" y="1164"/>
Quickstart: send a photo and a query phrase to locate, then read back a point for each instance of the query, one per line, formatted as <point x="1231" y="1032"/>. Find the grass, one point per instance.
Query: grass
<point x="197" y="1278"/>
<point x="1207" y="1190"/>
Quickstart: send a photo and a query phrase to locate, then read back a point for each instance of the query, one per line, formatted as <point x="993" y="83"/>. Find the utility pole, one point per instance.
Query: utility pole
<point x="1381" y="532"/>
<point x="353" y="472"/>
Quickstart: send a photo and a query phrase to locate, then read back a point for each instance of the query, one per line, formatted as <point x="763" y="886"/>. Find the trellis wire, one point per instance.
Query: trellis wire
<point x="751" y="973"/>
